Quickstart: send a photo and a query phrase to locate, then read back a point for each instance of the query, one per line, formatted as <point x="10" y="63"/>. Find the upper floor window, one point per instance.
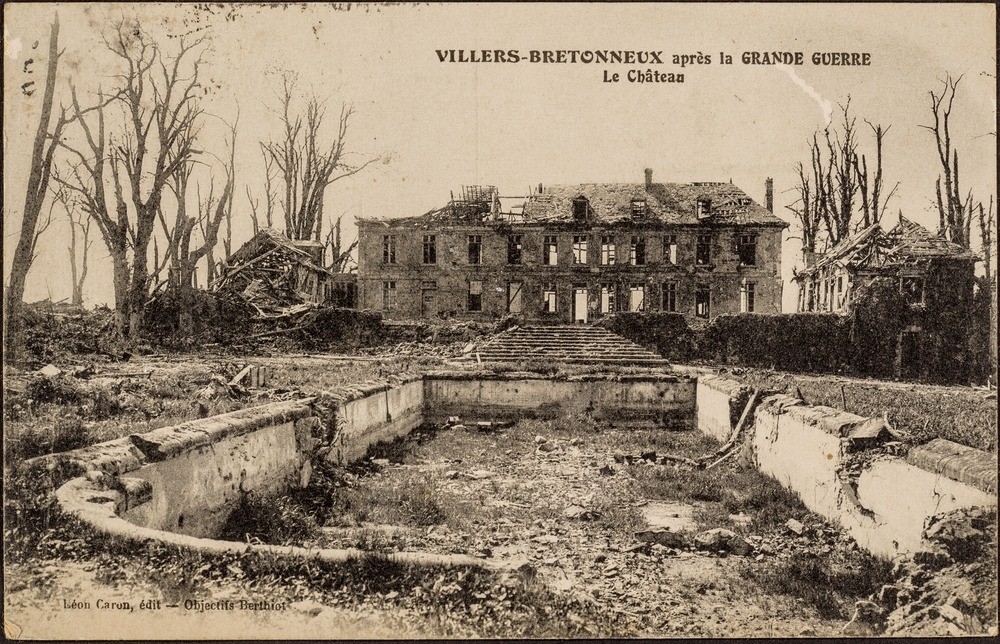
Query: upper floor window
<point x="670" y="249"/>
<point x="912" y="288"/>
<point x="748" y="297"/>
<point x="607" y="250"/>
<point x="703" y="250"/>
<point x="475" y="249"/>
<point x="388" y="249"/>
<point x="579" y="249"/>
<point x="746" y="248"/>
<point x="580" y="209"/>
<point x="550" y="251"/>
<point x="638" y="208"/>
<point x="430" y="249"/>
<point x="637" y="251"/>
<point x="514" y="248"/>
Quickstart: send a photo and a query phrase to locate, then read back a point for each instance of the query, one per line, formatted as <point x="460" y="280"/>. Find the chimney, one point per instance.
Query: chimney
<point x="539" y="188"/>
<point x="649" y="178"/>
<point x="769" y="194"/>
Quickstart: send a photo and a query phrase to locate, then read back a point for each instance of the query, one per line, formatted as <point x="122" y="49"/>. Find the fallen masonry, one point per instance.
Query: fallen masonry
<point x="178" y="484"/>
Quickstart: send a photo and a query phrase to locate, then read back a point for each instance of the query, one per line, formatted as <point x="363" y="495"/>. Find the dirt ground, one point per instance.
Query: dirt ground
<point x="556" y="501"/>
<point x="551" y="498"/>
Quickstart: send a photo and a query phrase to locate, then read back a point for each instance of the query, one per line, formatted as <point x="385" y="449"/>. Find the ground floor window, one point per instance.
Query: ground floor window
<point x="549" y="298"/>
<point x="702" y="300"/>
<point x="636" y="297"/>
<point x="669" y="297"/>
<point x="388" y="296"/>
<point x="475" y="296"/>
<point x="748" y="296"/>
<point x="607" y="298"/>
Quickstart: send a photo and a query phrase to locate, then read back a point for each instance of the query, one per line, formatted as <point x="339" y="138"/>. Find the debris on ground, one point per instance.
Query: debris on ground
<point x="949" y="588"/>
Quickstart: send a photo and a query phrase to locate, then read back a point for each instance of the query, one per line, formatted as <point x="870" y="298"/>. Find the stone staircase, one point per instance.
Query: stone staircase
<point x="565" y="344"/>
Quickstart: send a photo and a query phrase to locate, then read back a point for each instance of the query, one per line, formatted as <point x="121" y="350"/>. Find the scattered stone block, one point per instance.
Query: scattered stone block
<point x="50" y="370"/>
<point x="796" y="526"/>
<point x="667" y="538"/>
<point x="720" y="539"/>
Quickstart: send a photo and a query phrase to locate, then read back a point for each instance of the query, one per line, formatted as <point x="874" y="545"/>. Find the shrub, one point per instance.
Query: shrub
<point x="791" y="342"/>
<point x="668" y="333"/>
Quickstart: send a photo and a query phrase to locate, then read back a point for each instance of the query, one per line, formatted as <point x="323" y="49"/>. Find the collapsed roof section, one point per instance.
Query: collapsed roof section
<point x="872" y="249"/>
<point x="601" y="203"/>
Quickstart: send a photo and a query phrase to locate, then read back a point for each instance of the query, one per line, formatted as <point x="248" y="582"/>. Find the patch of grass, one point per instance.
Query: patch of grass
<point x="407" y="498"/>
<point x="273" y="519"/>
<point x="829" y="586"/>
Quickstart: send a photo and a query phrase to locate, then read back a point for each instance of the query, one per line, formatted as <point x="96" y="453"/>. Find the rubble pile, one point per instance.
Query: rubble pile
<point x="948" y="589"/>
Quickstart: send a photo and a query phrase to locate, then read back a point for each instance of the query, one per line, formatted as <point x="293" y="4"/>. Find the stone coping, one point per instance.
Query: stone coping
<point x="725" y="385"/>
<point x="968" y="465"/>
<point x="473" y="375"/>
<point x="96" y="508"/>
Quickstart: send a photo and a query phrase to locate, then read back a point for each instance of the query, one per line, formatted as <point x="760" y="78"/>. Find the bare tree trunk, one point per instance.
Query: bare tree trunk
<point x="38" y="181"/>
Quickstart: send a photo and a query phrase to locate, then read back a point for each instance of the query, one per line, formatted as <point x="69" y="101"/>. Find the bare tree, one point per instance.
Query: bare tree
<point x="954" y="212"/>
<point x="42" y="153"/>
<point x="268" y="199"/>
<point x="838" y="174"/>
<point x="306" y="165"/>
<point x="79" y="241"/>
<point x="874" y="199"/>
<point x="159" y="100"/>
<point x="339" y="255"/>
<point x="806" y="210"/>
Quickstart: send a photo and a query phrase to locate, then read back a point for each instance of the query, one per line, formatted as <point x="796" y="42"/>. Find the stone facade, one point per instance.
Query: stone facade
<point x="574" y="253"/>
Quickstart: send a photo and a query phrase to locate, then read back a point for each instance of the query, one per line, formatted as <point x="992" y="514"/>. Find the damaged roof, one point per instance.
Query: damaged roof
<point x="609" y="203"/>
<point x="671" y="203"/>
<point x="268" y="238"/>
<point x="873" y="248"/>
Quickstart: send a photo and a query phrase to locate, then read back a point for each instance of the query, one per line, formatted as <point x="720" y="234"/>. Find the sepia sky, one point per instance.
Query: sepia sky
<point x="436" y="126"/>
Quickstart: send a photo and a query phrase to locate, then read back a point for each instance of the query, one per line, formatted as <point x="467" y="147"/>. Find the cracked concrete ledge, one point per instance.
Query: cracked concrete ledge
<point x="96" y="508"/>
<point x="349" y="393"/>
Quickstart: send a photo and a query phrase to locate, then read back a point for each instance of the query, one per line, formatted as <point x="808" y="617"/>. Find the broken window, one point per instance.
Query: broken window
<point x="514" y="297"/>
<point x="607" y="250"/>
<point x="912" y="288"/>
<point x="388" y="296"/>
<point x="746" y="248"/>
<point x="514" y="248"/>
<point x="670" y="249"/>
<point x="702" y="298"/>
<point x="388" y="249"/>
<point x="636" y="297"/>
<point x="637" y="251"/>
<point x="475" y="296"/>
<point x="580" y="209"/>
<point x="669" y="297"/>
<point x="638" y="208"/>
<point x="748" y="296"/>
<point x="703" y="251"/>
<point x="549" y="298"/>
<point x="840" y="292"/>
<point x="608" y="298"/>
<point x="579" y="249"/>
<point x="475" y="249"/>
<point x="430" y="249"/>
<point x="704" y="208"/>
<point x="550" y="251"/>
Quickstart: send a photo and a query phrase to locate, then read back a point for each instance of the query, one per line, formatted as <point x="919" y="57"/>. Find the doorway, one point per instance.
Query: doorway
<point x="514" y="304"/>
<point x="580" y="304"/>
<point x="428" y="302"/>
